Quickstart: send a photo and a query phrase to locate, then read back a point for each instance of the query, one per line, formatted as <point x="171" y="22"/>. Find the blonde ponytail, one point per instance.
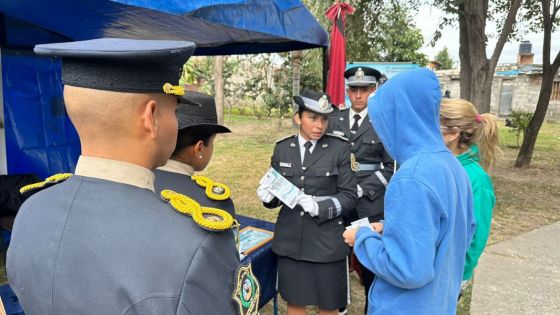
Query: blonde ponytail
<point x="481" y="130"/>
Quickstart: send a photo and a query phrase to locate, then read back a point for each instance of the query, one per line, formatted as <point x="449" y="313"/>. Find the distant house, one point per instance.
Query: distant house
<point x="515" y="86"/>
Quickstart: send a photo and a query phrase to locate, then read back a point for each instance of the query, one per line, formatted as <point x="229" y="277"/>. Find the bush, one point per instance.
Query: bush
<point x="246" y="111"/>
<point x="519" y="122"/>
<point x="235" y="110"/>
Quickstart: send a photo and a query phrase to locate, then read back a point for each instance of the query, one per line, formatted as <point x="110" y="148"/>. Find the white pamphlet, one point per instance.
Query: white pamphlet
<point x="359" y="223"/>
<point x="281" y="188"/>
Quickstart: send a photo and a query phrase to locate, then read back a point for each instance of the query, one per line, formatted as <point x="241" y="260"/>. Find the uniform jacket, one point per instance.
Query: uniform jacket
<point x="298" y="235"/>
<point x="367" y="149"/>
<point x="185" y="185"/>
<point x="93" y="246"/>
<point x="484" y="201"/>
<point x="429" y="219"/>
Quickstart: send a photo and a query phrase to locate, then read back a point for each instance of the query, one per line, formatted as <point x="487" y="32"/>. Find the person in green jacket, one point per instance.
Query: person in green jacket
<point x="473" y="139"/>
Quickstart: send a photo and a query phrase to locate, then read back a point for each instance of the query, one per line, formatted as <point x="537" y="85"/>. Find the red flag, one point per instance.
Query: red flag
<point x="337" y="51"/>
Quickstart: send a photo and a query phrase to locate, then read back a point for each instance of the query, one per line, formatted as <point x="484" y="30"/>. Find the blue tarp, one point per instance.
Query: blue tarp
<point x="39" y="136"/>
<point x="217" y="27"/>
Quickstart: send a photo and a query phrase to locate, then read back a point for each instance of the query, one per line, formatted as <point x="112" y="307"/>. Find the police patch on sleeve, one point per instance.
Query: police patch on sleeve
<point x="247" y="291"/>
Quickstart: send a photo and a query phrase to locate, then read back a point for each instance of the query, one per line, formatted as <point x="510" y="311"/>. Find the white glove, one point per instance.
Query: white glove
<point x="360" y="191"/>
<point x="309" y="205"/>
<point x="264" y="194"/>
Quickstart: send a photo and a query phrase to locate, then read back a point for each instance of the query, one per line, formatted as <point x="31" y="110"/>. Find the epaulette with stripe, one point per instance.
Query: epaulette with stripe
<point x="285" y="138"/>
<point x="338" y="136"/>
<point x="30" y="189"/>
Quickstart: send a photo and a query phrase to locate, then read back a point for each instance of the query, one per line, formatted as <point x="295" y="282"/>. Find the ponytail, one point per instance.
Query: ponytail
<point x="474" y="128"/>
<point x="487" y="138"/>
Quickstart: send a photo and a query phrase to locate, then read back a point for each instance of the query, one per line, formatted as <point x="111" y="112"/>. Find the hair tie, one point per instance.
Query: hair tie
<point x="477" y="118"/>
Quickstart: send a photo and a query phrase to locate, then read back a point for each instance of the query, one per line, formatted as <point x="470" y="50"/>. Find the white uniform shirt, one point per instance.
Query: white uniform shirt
<point x="302" y="149"/>
<point x="362" y="114"/>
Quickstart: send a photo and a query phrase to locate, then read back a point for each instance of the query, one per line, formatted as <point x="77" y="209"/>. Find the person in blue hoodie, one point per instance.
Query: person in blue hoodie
<point x="429" y="222"/>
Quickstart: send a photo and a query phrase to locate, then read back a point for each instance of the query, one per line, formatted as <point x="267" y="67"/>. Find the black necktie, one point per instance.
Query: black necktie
<point x="355" y="126"/>
<point x="307" y="154"/>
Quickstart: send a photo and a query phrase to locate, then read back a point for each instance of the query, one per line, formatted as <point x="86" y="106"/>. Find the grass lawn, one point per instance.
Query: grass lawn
<point x="526" y="199"/>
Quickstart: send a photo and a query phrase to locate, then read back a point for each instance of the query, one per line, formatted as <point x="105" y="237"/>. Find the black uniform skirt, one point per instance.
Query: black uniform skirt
<point x="305" y="283"/>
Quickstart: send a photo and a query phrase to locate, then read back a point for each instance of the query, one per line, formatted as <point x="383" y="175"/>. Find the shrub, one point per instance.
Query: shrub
<point x="519" y="122"/>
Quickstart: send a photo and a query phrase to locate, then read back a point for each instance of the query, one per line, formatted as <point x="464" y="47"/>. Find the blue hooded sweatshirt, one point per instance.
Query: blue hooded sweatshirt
<point x="429" y="220"/>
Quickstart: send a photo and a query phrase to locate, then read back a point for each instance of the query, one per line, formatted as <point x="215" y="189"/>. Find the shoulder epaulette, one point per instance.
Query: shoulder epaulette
<point x="214" y="190"/>
<point x="286" y="138"/>
<point x="30" y="189"/>
<point x="338" y="136"/>
<point x="212" y="219"/>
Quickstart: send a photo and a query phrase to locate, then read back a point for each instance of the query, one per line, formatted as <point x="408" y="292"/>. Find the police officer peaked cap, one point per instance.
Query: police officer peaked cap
<point x="316" y="102"/>
<point x="122" y="65"/>
<point x="202" y="117"/>
<point x="361" y="76"/>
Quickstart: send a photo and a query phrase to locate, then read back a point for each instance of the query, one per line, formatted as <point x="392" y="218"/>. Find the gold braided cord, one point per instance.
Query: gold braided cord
<point x="225" y="223"/>
<point x="210" y="185"/>
<point x="29" y="187"/>
<point x="169" y="88"/>
<point x="189" y="206"/>
<point x="51" y="179"/>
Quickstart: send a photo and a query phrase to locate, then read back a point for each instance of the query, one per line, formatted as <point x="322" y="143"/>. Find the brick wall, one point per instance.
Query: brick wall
<point x="524" y="90"/>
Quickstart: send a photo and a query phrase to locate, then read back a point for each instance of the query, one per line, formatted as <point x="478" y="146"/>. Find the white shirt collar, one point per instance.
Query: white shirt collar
<point x="115" y="171"/>
<point x="302" y="141"/>
<point x="362" y="114"/>
<point x="177" y="167"/>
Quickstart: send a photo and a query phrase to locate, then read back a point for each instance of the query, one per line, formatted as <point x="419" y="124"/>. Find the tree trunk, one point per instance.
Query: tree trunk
<point x="476" y="81"/>
<point x="532" y="131"/>
<point x="477" y="71"/>
<point x="297" y="56"/>
<point x="549" y="71"/>
<point x="219" y="87"/>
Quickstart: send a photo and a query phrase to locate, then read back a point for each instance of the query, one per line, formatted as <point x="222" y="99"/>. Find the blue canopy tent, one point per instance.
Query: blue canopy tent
<point x="39" y="137"/>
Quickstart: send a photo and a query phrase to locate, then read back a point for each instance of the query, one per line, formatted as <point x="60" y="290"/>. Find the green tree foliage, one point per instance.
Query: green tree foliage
<point x="379" y="30"/>
<point x="444" y="59"/>
<point x="383" y="31"/>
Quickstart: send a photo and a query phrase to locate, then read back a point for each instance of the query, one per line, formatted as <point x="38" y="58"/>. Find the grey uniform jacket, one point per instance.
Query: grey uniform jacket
<point x="367" y="149"/>
<point x="91" y="246"/>
<point x="185" y="185"/>
<point x="298" y="235"/>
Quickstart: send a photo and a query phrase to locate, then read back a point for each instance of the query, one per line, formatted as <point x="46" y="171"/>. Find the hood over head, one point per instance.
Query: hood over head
<point x="405" y="114"/>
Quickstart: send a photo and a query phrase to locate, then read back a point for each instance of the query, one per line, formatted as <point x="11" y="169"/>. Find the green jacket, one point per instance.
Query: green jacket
<point x="484" y="200"/>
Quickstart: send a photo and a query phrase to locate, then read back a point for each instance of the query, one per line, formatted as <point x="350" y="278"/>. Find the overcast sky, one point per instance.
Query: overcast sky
<point x="429" y="18"/>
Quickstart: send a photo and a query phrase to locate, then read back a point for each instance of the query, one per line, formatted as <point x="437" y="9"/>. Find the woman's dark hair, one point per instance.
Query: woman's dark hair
<point x="186" y="138"/>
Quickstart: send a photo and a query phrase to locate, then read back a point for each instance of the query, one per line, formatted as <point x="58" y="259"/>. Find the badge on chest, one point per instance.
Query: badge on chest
<point x="247" y="291"/>
<point x="338" y="133"/>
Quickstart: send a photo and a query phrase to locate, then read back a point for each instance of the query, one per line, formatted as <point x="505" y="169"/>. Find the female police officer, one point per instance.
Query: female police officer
<point x="311" y="254"/>
<point x="198" y="127"/>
